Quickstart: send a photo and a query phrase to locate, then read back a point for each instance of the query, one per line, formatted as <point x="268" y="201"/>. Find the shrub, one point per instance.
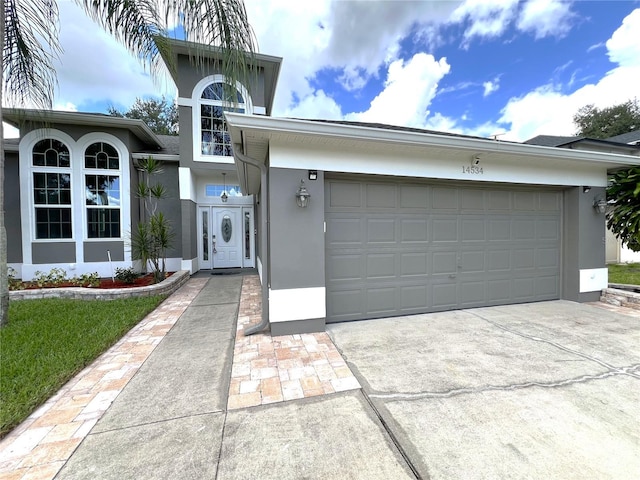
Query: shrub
<point x="126" y="275"/>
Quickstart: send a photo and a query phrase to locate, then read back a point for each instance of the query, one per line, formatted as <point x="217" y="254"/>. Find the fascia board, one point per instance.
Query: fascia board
<point x="165" y="157"/>
<point x="136" y="126"/>
<point x="355" y="132"/>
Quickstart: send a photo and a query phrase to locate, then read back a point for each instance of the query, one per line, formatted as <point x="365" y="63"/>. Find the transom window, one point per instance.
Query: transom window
<point x="52" y="189"/>
<point x="217" y="98"/>
<point x="102" y="190"/>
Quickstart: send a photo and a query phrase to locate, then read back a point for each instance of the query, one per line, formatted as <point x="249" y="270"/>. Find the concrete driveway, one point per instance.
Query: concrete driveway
<point x="544" y="390"/>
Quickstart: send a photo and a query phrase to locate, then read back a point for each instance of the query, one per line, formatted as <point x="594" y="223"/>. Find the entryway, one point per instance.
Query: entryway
<point x="225" y="236"/>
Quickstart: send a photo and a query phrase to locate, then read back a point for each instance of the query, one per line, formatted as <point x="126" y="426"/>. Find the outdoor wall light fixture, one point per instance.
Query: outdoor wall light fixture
<point x="475" y="160"/>
<point x="302" y="195"/>
<point x="224" y="197"/>
<point x="586" y="189"/>
<point x="313" y="174"/>
<point x="600" y="205"/>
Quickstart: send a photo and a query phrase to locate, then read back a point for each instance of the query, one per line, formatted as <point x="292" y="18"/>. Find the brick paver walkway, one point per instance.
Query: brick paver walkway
<point x="40" y="446"/>
<point x="270" y="369"/>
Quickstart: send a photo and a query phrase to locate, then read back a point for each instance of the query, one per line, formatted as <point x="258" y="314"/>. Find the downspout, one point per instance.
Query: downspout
<point x="264" y="323"/>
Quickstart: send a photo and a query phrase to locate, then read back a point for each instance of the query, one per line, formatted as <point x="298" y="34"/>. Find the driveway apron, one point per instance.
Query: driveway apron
<point x="544" y="390"/>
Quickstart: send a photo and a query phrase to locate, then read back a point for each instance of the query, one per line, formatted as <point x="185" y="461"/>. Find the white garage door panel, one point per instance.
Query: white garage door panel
<point x="394" y="248"/>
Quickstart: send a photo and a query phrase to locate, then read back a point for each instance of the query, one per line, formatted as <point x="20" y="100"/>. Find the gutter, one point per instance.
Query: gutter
<point x="264" y="323"/>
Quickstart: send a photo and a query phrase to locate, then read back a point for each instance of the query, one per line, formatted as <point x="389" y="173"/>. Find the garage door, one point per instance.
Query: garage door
<point x="398" y="247"/>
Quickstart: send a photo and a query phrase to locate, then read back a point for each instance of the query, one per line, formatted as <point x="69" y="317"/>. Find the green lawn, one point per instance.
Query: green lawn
<point x="48" y="341"/>
<point x="628" y="273"/>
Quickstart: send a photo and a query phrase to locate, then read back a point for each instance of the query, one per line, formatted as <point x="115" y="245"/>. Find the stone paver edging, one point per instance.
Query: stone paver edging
<point x="166" y="287"/>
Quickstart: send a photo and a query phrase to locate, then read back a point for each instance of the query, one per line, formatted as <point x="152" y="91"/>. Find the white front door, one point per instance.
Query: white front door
<point x="220" y="237"/>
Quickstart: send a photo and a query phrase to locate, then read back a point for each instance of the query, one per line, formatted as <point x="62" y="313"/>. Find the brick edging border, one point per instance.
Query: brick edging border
<point x="166" y="287"/>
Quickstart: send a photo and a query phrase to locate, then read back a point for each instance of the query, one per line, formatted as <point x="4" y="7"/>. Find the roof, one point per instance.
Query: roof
<point x="550" y="140"/>
<point x="571" y="142"/>
<point x="629" y="137"/>
<point x="17" y="116"/>
<point x="385" y="126"/>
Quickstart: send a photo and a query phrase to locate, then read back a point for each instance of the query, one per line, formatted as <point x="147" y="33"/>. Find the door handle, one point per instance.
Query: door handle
<point x="214" y="244"/>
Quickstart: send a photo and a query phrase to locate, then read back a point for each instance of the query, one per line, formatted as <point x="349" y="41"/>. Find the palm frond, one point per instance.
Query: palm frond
<point x="135" y="24"/>
<point x="29" y="49"/>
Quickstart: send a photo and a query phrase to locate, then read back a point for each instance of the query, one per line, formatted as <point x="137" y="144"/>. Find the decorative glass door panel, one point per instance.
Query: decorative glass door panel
<point x="220" y="242"/>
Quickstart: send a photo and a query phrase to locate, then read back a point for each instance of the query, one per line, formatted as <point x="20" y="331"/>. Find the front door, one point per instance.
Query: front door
<point x="220" y="231"/>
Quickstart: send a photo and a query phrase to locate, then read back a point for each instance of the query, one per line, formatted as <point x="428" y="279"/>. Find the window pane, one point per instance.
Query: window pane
<point x="101" y="155"/>
<point x="103" y="223"/>
<point x="53" y="223"/>
<point x="51" y="153"/>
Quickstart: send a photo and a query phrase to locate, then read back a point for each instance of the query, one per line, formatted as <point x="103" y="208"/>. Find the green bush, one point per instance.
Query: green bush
<point x="127" y="275"/>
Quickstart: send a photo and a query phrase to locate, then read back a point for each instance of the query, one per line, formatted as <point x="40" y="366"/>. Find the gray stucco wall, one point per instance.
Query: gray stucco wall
<point x="296" y="234"/>
<point x="12" y="208"/>
<point x="97" y="251"/>
<point x="171" y="206"/>
<point x="584" y="241"/>
<point x="189" y="230"/>
<point x="189" y="75"/>
<point x="50" y="252"/>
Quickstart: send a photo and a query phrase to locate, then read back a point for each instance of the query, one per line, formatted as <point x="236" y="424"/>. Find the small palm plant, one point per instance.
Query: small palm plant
<point x="153" y="235"/>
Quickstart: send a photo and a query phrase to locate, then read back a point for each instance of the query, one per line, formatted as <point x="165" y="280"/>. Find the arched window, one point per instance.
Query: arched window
<point x="216" y="98"/>
<point x="102" y="190"/>
<point x="51" y="189"/>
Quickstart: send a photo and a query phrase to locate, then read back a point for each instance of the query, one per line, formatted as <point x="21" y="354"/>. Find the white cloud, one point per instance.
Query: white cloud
<point x="316" y="105"/>
<point x="95" y="67"/>
<point x="490" y="87"/>
<point x="623" y="46"/>
<point x="65" y="107"/>
<point x="546" y="110"/>
<point x="546" y="18"/>
<point x="487" y="18"/>
<point x="408" y="91"/>
<point x="352" y="40"/>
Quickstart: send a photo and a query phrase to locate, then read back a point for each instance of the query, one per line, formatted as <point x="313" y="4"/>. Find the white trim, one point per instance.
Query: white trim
<point x="165" y="157"/>
<point x="187" y="185"/>
<point x="125" y="187"/>
<point x="259" y="111"/>
<point x="191" y="265"/>
<point x="185" y="101"/>
<point x="27" y="218"/>
<point x="593" y="279"/>
<point x="297" y="304"/>
<point x="196" y="121"/>
<point x="271" y="126"/>
<point x="424" y="164"/>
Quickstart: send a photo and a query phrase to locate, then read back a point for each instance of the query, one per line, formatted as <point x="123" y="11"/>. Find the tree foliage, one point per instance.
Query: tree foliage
<point x="160" y="115"/>
<point x="608" y="122"/>
<point x="623" y="217"/>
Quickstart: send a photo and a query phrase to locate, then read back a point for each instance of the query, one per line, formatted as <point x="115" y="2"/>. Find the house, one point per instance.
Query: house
<point x="626" y="143"/>
<point x="343" y="220"/>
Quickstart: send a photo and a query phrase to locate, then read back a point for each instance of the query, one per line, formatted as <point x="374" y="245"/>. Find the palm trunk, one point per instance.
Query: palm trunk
<point x="4" y="280"/>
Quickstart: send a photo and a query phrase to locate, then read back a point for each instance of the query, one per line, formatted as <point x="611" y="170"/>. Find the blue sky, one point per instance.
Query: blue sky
<point x="491" y="67"/>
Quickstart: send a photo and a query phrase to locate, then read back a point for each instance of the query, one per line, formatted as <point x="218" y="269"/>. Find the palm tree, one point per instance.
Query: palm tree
<point x="30" y="45"/>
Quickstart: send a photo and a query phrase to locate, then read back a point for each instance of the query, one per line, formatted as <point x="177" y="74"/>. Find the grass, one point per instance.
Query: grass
<point x="627" y="273"/>
<point x="48" y="341"/>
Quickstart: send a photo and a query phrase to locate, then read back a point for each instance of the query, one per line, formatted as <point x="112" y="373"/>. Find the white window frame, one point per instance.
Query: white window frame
<point x="197" y="101"/>
<point x="79" y="233"/>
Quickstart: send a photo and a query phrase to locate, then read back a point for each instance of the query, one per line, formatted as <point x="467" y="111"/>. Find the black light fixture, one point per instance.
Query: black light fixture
<point x="586" y="189"/>
<point x="313" y="174"/>
<point x="302" y="195"/>
<point x="224" y="197"/>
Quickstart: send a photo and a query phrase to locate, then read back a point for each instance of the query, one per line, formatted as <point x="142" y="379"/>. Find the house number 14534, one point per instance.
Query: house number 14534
<point x="472" y="170"/>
